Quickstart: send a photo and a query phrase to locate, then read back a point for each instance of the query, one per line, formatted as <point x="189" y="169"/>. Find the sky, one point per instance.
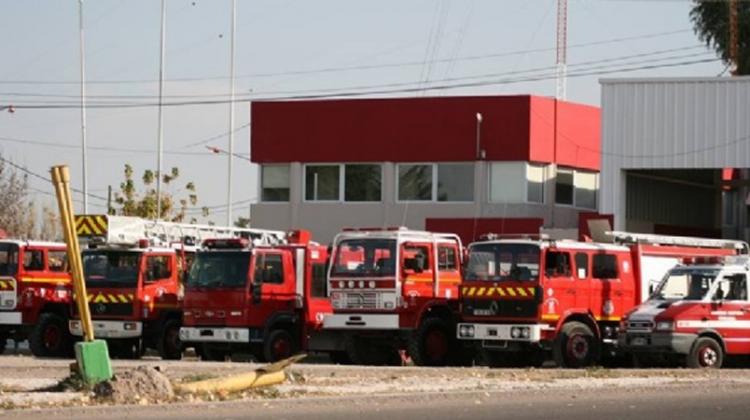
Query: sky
<point x="287" y="48"/>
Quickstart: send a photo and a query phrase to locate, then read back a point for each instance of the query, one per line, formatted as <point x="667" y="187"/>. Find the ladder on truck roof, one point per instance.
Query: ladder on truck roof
<point x="647" y="238"/>
<point x="128" y="231"/>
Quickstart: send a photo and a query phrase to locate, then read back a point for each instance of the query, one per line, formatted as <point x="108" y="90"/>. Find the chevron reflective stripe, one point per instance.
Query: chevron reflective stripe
<point x="7" y="284"/>
<point x="500" y="291"/>
<point x="91" y="225"/>
<point x="110" y="298"/>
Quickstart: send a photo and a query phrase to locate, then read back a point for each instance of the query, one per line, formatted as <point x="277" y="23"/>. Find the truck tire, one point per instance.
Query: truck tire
<point x="278" y="345"/>
<point x="576" y="346"/>
<point x="3" y="342"/>
<point x="705" y="354"/>
<point x="431" y="344"/>
<point x="169" y="345"/>
<point x="50" y="337"/>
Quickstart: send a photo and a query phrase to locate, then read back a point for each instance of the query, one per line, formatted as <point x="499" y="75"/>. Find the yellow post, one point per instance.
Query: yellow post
<point x="61" y="180"/>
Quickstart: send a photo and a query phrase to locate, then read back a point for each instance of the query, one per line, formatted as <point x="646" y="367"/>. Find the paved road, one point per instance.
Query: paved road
<point x="725" y="401"/>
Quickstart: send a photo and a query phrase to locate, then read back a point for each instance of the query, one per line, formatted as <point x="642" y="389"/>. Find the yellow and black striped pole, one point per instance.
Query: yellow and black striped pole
<point x="61" y="180"/>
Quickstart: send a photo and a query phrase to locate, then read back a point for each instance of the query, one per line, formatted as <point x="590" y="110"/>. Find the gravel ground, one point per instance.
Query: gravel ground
<point x="24" y="376"/>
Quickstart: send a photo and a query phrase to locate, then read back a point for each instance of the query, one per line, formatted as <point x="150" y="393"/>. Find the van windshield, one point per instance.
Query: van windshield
<point x="111" y="268"/>
<point x="365" y="258"/>
<point x="8" y="259"/>
<point x="219" y="269"/>
<point x="498" y="261"/>
<point x="686" y="284"/>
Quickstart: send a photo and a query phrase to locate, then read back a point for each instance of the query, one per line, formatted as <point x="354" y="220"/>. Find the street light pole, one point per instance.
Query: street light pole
<point x="230" y="155"/>
<point x="84" y="170"/>
<point x="160" y="145"/>
<point x="479" y="136"/>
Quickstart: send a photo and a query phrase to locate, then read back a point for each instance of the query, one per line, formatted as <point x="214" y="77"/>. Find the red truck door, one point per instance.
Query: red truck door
<point x="274" y="275"/>
<point x="418" y="274"/>
<point x="448" y="271"/>
<point x="606" y="291"/>
<point x="160" y="281"/>
<point x="559" y="285"/>
<point x="316" y="294"/>
<point x="730" y="313"/>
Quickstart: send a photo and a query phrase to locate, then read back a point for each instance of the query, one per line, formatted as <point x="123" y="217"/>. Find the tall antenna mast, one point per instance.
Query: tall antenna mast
<point x="562" y="47"/>
<point x="733" y="38"/>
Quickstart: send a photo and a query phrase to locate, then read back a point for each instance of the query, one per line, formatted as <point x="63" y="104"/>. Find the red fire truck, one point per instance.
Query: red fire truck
<point x="524" y="298"/>
<point x="134" y="270"/>
<point x="265" y="300"/>
<point x="698" y="315"/>
<point x="35" y="294"/>
<point x="394" y="289"/>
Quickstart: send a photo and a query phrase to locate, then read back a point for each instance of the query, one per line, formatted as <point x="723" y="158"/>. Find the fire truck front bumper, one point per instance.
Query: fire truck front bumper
<point x="657" y="342"/>
<point x="528" y="333"/>
<point x="10" y="318"/>
<point x="361" y="322"/>
<point x="214" y="335"/>
<point x="109" y="329"/>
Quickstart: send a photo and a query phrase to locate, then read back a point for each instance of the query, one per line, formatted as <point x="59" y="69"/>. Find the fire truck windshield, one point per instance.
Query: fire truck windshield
<point x="111" y="268"/>
<point x="219" y="269"/>
<point x="686" y="284"/>
<point x="8" y="259"/>
<point x="499" y="261"/>
<point x="365" y="258"/>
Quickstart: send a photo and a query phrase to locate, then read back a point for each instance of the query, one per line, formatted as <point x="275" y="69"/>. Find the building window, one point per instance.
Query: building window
<point x="274" y="182"/>
<point x="586" y="187"/>
<point x="415" y="182"/>
<point x="322" y="182"/>
<point x="455" y="182"/>
<point x="516" y="182"/>
<point x="535" y="183"/>
<point x="362" y="182"/>
<point x="564" y="187"/>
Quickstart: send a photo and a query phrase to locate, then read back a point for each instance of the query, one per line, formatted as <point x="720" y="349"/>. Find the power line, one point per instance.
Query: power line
<point x="44" y="178"/>
<point x="348" y="68"/>
<point x="377" y="89"/>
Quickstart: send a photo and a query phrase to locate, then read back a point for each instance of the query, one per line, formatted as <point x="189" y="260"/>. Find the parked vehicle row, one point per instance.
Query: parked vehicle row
<point x="377" y="296"/>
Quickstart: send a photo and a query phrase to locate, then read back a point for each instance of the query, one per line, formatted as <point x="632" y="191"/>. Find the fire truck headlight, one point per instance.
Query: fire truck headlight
<point x="371" y="284"/>
<point x="75" y="325"/>
<point x="518" y="332"/>
<point x="388" y="305"/>
<point x="664" y="326"/>
<point x="525" y="332"/>
<point x="466" y="331"/>
<point x="129" y="326"/>
<point x="342" y="284"/>
<point x="361" y="284"/>
<point x="229" y="335"/>
<point x="350" y="284"/>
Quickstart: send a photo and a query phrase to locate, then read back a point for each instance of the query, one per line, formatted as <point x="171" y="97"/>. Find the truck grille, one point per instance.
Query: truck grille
<point x="361" y="300"/>
<point x="501" y="308"/>
<point x="640" y="326"/>
<point x="99" y="310"/>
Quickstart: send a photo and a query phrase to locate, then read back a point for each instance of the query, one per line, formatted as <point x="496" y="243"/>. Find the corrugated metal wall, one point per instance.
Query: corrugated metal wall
<point x="670" y="124"/>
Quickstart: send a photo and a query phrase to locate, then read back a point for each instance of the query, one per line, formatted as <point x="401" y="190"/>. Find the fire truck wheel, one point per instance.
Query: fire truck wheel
<point x="278" y="346"/>
<point x="3" y="341"/>
<point x="431" y="343"/>
<point x="576" y="346"/>
<point x="706" y="353"/>
<point x="169" y="345"/>
<point x="50" y="337"/>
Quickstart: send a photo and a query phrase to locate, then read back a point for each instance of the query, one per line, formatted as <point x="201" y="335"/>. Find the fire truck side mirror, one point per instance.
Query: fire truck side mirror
<point x="256" y="289"/>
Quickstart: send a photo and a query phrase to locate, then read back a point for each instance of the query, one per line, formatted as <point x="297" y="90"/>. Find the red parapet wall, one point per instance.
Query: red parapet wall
<point x="424" y="129"/>
<point x="470" y="229"/>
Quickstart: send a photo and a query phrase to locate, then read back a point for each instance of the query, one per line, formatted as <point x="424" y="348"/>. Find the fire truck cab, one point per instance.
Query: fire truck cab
<point x="394" y="289"/>
<point x="35" y="294"/>
<point x="266" y="300"/>
<point x="698" y="315"/>
<point x="134" y="271"/>
<point x="527" y="297"/>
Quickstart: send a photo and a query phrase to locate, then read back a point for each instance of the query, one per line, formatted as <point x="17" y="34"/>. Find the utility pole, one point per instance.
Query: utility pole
<point x="84" y="170"/>
<point x="733" y="37"/>
<point x="160" y="145"/>
<point x="230" y="155"/>
<point x="562" y="48"/>
<point x="109" y="200"/>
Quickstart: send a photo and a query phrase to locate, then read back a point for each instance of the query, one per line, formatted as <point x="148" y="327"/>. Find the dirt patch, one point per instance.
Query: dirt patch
<point x="141" y="385"/>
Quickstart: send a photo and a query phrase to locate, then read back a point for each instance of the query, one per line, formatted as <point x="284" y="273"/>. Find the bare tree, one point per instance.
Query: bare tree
<point x="16" y="212"/>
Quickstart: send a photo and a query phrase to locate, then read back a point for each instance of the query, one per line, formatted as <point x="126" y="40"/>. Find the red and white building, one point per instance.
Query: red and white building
<point x="468" y="165"/>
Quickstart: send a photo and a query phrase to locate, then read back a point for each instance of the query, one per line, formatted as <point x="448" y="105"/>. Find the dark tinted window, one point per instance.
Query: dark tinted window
<point x="219" y="269"/>
<point x="158" y="268"/>
<point x="498" y="261"/>
<point x="8" y="259"/>
<point x="274" y="272"/>
<point x="318" y="288"/>
<point x="111" y="268"/>
<point x="33" y="260"/>
<point x="582" y="265"/>
<point x="605" y="266"/>
<point x="557" y="264"/>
